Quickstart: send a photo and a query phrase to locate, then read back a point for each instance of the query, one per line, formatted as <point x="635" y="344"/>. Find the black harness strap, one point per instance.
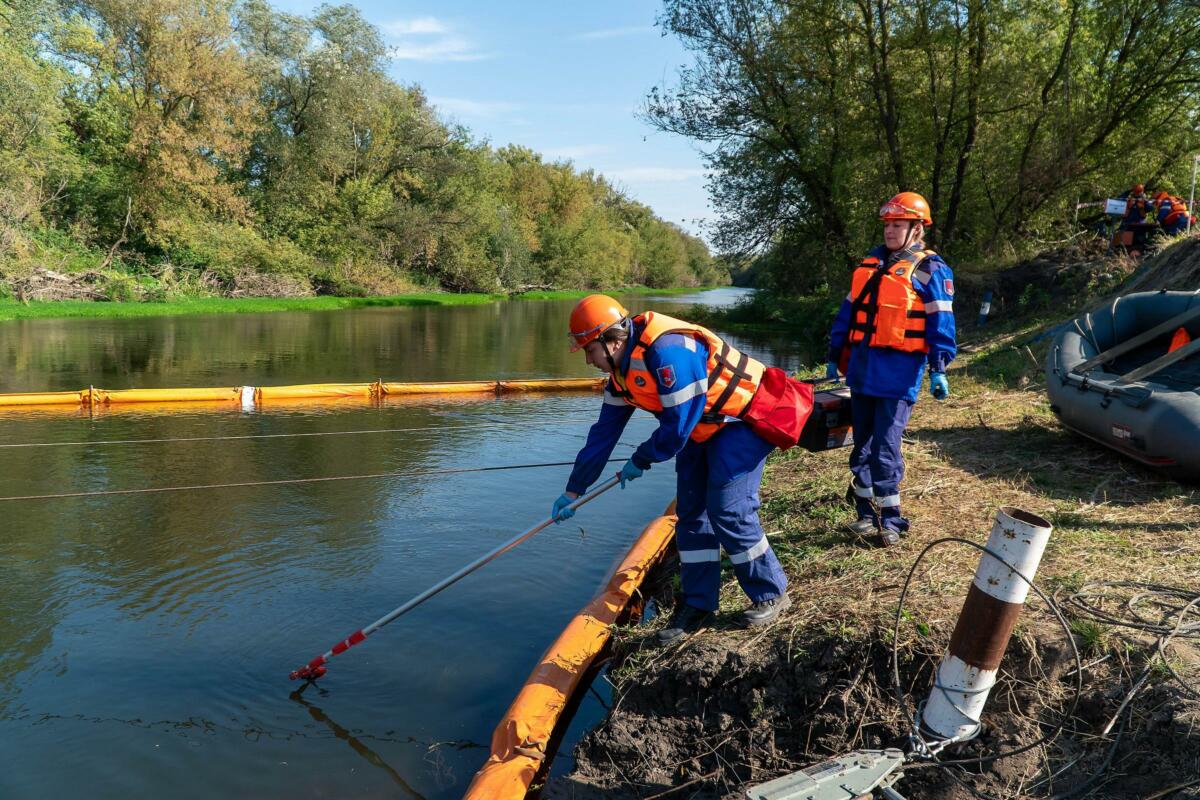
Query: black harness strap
<point x="737" y="375"/>
<point x="870" y="295"/>
<point x="867" y="302"/>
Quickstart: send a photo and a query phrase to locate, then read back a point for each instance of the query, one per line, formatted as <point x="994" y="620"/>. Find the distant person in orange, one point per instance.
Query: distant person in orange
<point x="1139" y="210"/>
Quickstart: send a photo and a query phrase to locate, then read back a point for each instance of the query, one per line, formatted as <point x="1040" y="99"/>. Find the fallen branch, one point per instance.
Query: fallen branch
<point x="112" y="251"/>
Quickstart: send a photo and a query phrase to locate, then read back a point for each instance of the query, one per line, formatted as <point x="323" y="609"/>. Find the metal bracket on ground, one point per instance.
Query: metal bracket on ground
<point x="849" y="777"/>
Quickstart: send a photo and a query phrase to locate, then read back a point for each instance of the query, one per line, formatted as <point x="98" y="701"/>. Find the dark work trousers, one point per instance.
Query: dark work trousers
<point x="876" y="463"/>
<point x="717" y="505"/>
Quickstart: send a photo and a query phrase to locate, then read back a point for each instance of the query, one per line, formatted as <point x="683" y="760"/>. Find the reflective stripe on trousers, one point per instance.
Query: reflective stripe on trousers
<point x="876" y="460"/>
<point x="718" y="482"/>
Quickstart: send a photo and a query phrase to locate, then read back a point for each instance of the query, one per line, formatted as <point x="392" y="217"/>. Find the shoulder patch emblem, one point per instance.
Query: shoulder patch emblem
<point x="948" y="285"/>
<point x="666" y="376"/>
<point x="639" y="380"/>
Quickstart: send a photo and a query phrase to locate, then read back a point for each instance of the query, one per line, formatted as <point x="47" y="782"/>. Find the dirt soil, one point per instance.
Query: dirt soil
<point x="729" y="708"/>
<point x="1058" y="280"/>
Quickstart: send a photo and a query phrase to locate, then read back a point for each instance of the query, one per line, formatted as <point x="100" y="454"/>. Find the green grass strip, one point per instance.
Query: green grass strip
<point x="63" y="309"/>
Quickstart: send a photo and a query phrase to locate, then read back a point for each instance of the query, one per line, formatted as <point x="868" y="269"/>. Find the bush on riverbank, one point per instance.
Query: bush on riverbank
<point x="195" y="147"/>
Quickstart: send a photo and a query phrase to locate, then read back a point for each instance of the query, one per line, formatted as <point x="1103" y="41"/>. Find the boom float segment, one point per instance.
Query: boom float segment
<point x="520" y="741"/>
<point x="249" y="397"/>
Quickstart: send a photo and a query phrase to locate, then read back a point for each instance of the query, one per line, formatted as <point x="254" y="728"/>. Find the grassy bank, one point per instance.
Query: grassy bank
<point x="728" y="708"/>
<point x="61" y="309"/>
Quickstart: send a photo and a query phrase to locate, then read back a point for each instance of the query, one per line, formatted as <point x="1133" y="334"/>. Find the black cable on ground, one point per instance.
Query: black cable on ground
<point x="1185" y="602"/>
<point x="901" y="699"/>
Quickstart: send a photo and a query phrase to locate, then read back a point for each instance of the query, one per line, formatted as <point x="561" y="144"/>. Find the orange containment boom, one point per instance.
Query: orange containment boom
<point x="520" y="741"/>
<point x="252" y="396"/>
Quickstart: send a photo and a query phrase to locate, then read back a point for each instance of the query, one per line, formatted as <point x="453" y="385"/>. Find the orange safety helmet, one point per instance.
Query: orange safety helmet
<point x="592" y="316"/>
<point x="906" y="205"/>
<point x="1138" y="188"/>
<point x="1160" y="197"/>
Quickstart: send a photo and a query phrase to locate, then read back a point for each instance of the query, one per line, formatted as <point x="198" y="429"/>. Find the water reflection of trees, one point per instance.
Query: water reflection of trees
<point x="500" y="340"/>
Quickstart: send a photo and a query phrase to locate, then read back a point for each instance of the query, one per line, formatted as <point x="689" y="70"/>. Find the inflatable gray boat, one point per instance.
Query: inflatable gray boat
<point x="1128" y="376"/>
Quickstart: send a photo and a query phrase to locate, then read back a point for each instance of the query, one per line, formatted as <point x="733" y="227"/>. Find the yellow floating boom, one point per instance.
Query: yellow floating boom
<point x="253" y="396"/>
<point x="522" y="740"/>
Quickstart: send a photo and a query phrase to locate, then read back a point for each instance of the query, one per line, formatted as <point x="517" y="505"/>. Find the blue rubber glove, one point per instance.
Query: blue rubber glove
<point x="560" y="511"/>
<point x="939" y="387"/>
<point x="831" y="372"/>
<point x="629" y="472"/>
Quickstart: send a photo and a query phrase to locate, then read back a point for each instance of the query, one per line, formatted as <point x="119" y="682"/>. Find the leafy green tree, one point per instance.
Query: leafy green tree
<point x="1002" y="113"/>
<point x="175" y="76"/>
<point x="247" y="147"/>
<point x="35" y="160"/>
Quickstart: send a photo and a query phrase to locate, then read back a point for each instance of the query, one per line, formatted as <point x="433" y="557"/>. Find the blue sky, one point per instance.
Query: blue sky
<point x="563" y="78"/>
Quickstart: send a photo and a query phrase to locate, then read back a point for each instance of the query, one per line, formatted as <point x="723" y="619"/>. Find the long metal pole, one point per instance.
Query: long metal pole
<point x="316" y="668"/>
<point x="1192" y="198"/>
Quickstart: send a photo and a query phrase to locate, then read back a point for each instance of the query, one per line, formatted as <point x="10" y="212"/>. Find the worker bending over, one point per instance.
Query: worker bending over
<point x="699" y="388"/>
<point x="1172" y="214"/>
<point x="897" y="318"/>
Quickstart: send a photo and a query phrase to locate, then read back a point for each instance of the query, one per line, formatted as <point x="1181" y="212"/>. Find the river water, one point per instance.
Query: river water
<point x="147" y="638"/>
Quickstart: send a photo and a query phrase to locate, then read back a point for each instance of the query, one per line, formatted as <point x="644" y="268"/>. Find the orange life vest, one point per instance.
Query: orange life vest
<point x="887" y="311"/>
<point x="1178" y="209"/>
<point x="733" y="376"/>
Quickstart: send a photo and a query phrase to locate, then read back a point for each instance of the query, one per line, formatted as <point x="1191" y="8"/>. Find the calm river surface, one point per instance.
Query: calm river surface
<point x="146" y="639"/>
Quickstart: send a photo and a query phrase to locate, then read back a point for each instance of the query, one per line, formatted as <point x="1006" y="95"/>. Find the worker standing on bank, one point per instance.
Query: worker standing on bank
<point x="897" y="320"/>
<point x="1139" y="209"/>
<point x="699" y="388"/>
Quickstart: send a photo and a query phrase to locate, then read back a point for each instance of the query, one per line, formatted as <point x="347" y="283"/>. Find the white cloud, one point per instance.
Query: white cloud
<point x="575" y="151"/>
<point x="473" y="108"/>
<point x="656" y="174"/>
<point x="428" y="39"/>
<point x="614" y="33"/>
<point x="408" y="27"/>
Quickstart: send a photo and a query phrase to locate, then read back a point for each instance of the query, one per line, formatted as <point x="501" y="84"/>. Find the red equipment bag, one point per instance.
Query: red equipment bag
<point x="779" y="408"/>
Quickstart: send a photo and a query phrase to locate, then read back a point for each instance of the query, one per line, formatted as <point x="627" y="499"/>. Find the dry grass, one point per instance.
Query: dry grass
<point x="994" y="443"/>
<point x="750" y="705"/>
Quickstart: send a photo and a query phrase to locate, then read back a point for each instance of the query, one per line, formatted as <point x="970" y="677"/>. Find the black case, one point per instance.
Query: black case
<point x="828" y="427"/>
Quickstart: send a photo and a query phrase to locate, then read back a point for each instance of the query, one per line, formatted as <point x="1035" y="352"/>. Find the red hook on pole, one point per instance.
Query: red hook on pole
<point x="316" y="668"/>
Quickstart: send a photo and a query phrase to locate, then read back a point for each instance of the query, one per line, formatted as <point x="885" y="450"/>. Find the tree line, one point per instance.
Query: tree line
<point x="1003" y="113"/>
<point x="199" y="142"/>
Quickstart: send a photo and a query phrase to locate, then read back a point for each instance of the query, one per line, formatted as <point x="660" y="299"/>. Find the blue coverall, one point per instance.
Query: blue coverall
<point x="884" y="383"/>
<point x="1137" y="211"/>
<point x="717" y="480"/>
<point x="1177" y="225"/>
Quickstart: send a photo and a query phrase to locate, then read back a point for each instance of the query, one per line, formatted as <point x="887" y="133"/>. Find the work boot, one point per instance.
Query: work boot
<point x="863" y="526"/>
<point x="764" y="612"/>
<point x="686" y="619"/>
<point x="892" y="526"/>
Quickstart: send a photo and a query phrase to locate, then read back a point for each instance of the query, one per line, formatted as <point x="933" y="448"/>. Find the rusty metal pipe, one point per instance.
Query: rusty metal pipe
<point x="968" y="670"/>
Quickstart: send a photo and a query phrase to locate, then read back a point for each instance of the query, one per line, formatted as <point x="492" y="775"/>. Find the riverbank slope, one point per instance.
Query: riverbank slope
<point x="729" y="708"/>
